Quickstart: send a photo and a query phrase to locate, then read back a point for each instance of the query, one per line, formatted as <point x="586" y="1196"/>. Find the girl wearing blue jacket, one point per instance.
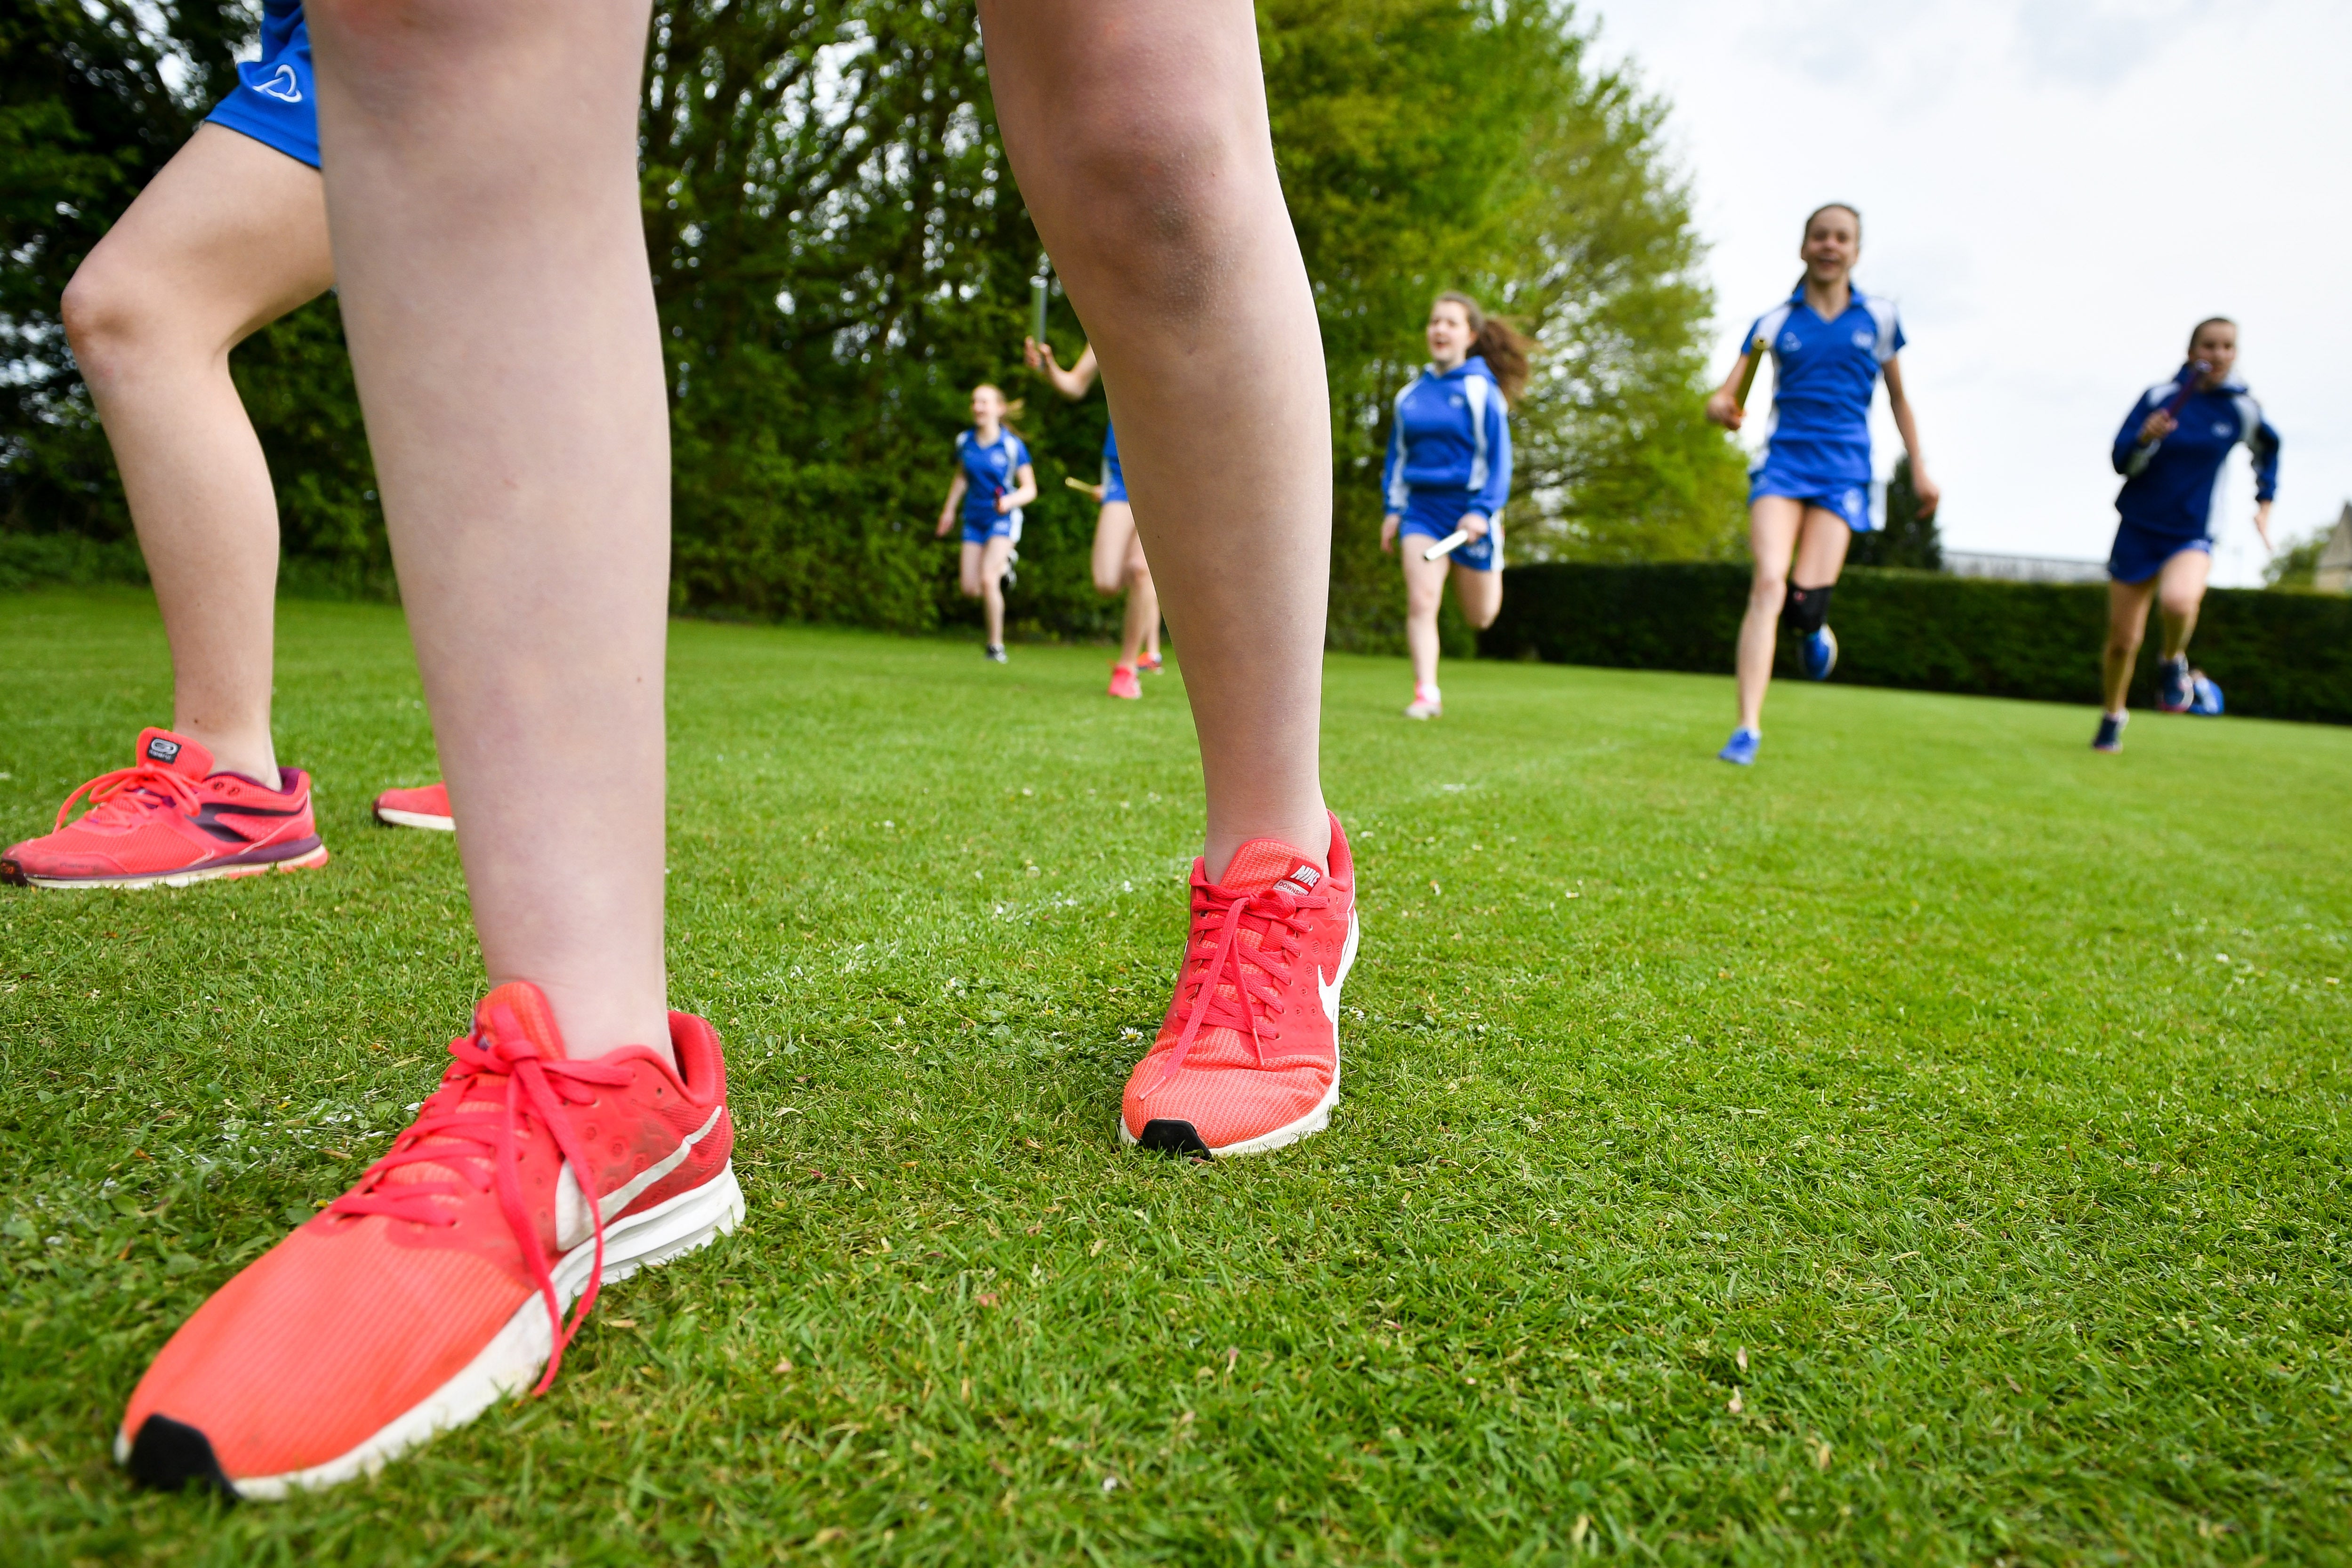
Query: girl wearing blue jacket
<point x="1448" y="471"/>
<point x="2170" y="451"/>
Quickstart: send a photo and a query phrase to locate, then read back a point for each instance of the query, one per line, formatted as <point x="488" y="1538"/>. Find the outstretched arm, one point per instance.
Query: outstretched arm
<point x="1930" y="494"/>
<point x="1073" y="383"/>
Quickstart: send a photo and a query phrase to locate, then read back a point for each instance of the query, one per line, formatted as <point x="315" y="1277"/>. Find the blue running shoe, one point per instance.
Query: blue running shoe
<point x="1820" y="651"/>
<point x="2174" y="689"/>
<point x="2207" y="697"/>
<point x="2111" y="732"/>
<point x="1741" y="748"/>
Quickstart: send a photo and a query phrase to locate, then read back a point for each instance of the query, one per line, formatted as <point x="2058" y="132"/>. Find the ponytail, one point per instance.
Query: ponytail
<point x="1503" y="347"/>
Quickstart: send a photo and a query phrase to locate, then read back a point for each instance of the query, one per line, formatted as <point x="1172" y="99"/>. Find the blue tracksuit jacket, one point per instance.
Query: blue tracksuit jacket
<point x="2169" y="485"/>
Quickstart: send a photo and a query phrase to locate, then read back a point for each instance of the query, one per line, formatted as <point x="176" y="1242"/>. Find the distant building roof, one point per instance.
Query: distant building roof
<point x="2335" y="572"/>
<point x="2023" y="567"/>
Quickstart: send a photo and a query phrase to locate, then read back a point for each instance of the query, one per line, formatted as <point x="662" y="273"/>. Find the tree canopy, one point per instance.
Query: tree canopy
<point x="840" y="251"/>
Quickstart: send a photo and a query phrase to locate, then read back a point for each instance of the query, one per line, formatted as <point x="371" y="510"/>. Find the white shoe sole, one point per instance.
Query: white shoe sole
<point x="315" y="858"/>
<point x="1316" y="1119"/>
<point x="426" y="820"/>
<point x="517" y="1353"/>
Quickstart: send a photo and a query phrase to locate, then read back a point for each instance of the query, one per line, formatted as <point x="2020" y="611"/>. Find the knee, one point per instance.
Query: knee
<point x="1768" y="591"/>
<point x="1421" y="603"/>
<point x="1164" y="195"/>
<point x="1482" y="616"/>
<point x="2181" y="606"/>
<point x="2124" y="637"/>
<point x="106" y="318"/>
<point x="1109" y="583"/>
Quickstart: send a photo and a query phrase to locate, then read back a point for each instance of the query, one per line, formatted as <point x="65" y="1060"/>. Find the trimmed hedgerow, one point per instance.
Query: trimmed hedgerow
<point x="2274" y="655"/>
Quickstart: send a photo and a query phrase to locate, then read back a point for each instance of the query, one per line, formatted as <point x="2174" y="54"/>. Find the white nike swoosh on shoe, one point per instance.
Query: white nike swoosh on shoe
<point x="572" y="1222"/>
<point x="1329" y="992"/>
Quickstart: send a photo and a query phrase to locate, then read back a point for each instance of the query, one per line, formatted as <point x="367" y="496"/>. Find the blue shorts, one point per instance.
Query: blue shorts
<point x="1851" y="502"/>
<point x="275" y="101"/>
<point x="979" y="530"/>
<point x="1434" y="513"/>
<point x="1114" y="479"/>
<point x="2140" y="553"/>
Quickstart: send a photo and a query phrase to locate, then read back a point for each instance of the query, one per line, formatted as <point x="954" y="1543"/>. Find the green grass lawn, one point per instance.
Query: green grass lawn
<point x="1926" y="1147"/>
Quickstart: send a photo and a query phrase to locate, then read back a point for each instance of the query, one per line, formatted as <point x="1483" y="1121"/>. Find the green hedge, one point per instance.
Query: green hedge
<point x="2275" y="656"/>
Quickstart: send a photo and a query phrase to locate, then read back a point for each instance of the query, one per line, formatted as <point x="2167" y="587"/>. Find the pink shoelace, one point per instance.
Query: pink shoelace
<point x="477" y="1148"/>
<point x="118" y="798"/>
<point x="1281" y="918"/>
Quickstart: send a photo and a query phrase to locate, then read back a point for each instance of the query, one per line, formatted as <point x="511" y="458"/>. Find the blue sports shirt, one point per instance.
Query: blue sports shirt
<point x="988" y="471"/>
<point x="2169" y="485"/>
<point x="1450" y="433"/>
<point x="1823" y="373"/>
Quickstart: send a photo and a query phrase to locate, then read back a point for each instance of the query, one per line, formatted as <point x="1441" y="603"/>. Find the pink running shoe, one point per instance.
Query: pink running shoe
<point x="1248" y="1056"/>
<point x="169" y="821"/>
<point x="425" y="807"/>
<point x="437" y="1285"/>
<point x="1123" y="682"/>
<point x="1150" y="664"/>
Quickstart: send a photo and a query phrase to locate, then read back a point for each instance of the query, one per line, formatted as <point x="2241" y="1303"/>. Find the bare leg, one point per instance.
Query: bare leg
<point x="1773" y="522"/>
<point x="229" y="236"/>
<point x="1480" y="595"/>
<point x="1142" y="625"/>
<point x="1138" y="133"/>
<point x="2180" y="593"/>
<point x="1821" y="550"/>
<point x="1424" y="587"/>
<point x="968" y="570"/>
<point x="483" y="198"/>
<point x="1119" y="564"/>
<point x="2126" y="624"/>
<point x="993" y="562"/>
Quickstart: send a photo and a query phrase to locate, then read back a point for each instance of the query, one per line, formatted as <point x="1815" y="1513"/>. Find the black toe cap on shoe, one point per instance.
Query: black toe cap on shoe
<point x="1173" y="1138"/>
<point x="168" y="1455"/>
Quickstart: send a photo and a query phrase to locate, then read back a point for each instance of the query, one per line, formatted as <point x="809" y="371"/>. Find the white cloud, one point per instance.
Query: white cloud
<point x="2056" y="193"/>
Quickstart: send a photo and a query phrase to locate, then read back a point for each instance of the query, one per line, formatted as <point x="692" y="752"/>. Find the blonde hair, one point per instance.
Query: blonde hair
<point x="1014" y="407"/>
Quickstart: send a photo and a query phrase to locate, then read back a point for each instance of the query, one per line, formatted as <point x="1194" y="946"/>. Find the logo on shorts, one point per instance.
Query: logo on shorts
<point x="162" y="751"/>
<point x="2222" y="429"/>
<point x="281" y="86"/>
<point x="1853" y="503"/>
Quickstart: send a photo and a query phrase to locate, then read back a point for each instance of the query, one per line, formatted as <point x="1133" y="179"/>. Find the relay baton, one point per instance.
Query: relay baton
<point x="2197" y="370"/>
<point x="1037" y="309"/>
<point x="1756" y="351"/>
<point x="1446" y="546"/>
<point x="1075" y="483"/>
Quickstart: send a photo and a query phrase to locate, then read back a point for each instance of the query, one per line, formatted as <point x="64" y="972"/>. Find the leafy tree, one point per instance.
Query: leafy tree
<point x="95" y="97"/>
<point x="839" y="252"/>
<point x="1907" y="540"/>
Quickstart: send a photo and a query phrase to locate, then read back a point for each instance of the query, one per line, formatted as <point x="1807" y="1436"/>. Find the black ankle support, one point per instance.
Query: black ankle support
<point x="1807" y="610"/>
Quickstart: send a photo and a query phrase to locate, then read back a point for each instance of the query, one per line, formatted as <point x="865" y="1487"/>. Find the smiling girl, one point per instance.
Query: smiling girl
<point x="993" y="480"/>
<point x="1809" y="492"/>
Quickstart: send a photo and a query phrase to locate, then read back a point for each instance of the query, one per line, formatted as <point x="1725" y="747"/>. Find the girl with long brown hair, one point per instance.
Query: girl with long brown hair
<point x="1448" y="472"/>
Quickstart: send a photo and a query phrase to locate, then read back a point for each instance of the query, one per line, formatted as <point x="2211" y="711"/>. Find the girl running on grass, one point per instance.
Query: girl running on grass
<point x="1449" y="470"/>
<point x="2169" y="452"/>
<point x="993" y="481"/>
<point x="1809" y="492"/>
<point x="1118" y="549"/>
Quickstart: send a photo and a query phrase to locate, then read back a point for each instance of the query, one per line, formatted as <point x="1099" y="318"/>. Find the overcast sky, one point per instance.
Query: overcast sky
<point x="2055" y="191"/>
